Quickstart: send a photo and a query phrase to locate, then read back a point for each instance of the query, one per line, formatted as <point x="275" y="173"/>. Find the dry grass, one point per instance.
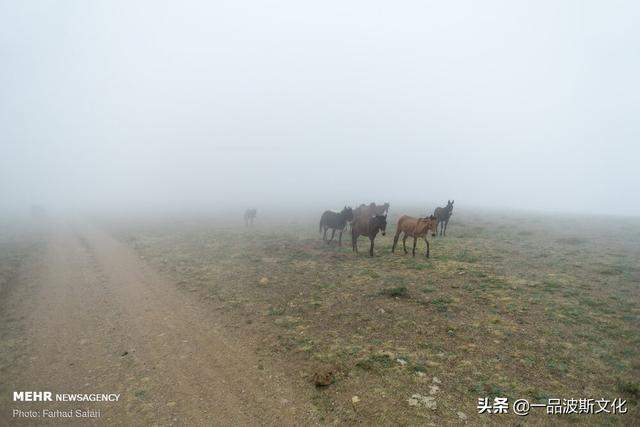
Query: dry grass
<point x="520" y="307"/>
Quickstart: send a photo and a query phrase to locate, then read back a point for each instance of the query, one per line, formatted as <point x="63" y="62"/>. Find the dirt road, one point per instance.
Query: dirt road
<point x="92" y="317"/>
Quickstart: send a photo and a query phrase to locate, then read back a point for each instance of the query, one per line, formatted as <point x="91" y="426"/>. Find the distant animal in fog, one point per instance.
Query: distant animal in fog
<point x="249" y="216"/>
<point x="443" y="215"/>
<point x="414" y="227"/>
<point x="335" y="221"/>
<point x="367" y="226"/>
<point x="371" y="210"/>
<point x="362" y="211"/>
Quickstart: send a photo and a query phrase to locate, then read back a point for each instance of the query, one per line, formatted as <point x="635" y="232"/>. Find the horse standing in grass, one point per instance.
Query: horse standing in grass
<point x="443" y="215"/>
<point x="335" y="221"/>
<point x="369" y="227"/>
<point x="249" y="216"/>
<point x="414" y="227"/>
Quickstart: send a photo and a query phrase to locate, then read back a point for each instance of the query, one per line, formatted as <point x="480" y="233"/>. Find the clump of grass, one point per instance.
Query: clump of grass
<point x="275" y="311"/>
<point x="375" y="362"/>
<point x="442" y="303"/>
<point x="558" y="366"/>
<point x="397" y="292"/>
<point x="551" y="286"/>
<point x="419" y="368"/>
<point x="631" y="388"/>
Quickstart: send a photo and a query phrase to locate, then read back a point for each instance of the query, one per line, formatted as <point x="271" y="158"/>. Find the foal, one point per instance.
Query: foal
<point x="369" y="227"/>
<point x="414" y="227"/>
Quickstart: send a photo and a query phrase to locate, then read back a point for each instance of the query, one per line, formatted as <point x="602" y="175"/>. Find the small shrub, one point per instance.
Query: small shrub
<point x="631" y="388"/>
<point x="398" y="291"/>
<point x="441" y="304"/>
<point x="419" y="368"/>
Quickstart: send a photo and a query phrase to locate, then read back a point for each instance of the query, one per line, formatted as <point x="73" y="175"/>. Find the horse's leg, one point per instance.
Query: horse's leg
<point x="395" y="241"/>
<point x="354" y="241"/>
<point x="404" y="243"/>
<point x="415" y="240"/>
<point x="333" y="233"/>
<point x="427" y="242"/>
<point x="371" y="248"/>
<point x="324" y="235"/>
<point x="445" y="227"/>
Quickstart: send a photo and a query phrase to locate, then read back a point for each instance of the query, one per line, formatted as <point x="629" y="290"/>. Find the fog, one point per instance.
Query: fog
<point x="152" y="105"/>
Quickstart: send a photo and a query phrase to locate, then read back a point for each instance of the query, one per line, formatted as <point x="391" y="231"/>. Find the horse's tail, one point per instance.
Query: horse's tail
<point x="321" y="224"/>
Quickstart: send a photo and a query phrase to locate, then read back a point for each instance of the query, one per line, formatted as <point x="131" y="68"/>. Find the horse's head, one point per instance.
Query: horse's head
<point x="428" y="223"/>
<point x="347" y="213"/>
<point x="380" y="221"/>
<point x="433" y="224"/>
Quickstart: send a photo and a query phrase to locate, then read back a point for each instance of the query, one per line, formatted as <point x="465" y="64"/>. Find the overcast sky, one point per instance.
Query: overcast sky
<point x="150" y="104"/>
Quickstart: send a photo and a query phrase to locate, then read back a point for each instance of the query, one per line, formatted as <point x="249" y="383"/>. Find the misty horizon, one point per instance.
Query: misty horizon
<point x="191" y="105"/>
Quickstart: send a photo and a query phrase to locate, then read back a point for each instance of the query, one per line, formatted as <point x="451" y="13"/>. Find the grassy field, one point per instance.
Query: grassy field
<point x="518" y="306"/>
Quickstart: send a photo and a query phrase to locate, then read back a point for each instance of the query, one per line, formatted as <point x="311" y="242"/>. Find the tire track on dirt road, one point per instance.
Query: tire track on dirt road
<point x="102" y="321"/>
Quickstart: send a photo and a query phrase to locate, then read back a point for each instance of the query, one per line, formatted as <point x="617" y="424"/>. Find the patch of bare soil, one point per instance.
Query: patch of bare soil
<point x="93" y="318"/>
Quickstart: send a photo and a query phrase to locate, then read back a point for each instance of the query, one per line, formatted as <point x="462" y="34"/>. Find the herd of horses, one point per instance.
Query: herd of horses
<point x="369" y="220"/>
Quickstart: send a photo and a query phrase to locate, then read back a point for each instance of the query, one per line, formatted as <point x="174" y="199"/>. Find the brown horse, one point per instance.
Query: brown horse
<point x="367" y="226"/>
<point x="414" y="227"/>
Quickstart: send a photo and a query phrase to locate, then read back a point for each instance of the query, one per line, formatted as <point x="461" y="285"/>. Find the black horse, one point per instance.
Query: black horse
<point x="443" y="215"/>
<point x="335" y="221"/>
<point x="369" y="227"/>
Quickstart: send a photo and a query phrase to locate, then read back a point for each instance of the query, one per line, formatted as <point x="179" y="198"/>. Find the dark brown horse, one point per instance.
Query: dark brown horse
<point x="367" y="226"/>
<point x="414" y="227"/>
<point x="249" y="216"/>
<point x="335" y="221"/>
<point x="443" y="215"/>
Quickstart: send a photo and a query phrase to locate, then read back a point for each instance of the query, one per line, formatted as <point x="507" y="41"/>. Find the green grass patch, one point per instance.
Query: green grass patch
<point x="375" y="362"/>
<point x="276" y="311"/>
<point x="442" y="303"/>
<point x="396" y="292"/>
